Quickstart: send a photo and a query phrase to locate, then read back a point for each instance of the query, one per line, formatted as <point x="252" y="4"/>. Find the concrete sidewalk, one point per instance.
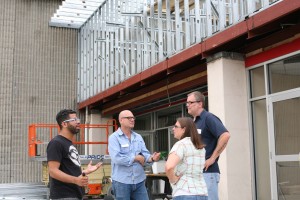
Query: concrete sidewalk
<point x="17" y="191"/>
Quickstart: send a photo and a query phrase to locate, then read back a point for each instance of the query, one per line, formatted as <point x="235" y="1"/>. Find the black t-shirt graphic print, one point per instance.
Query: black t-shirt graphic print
<point x="62" y="150"/>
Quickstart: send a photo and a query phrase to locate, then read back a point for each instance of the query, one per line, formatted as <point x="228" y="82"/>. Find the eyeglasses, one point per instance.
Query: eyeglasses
<point x="72" y="120"/>
<point x="175" y="126"/>
<point x="129" y="118"/>
<point x="191" y="102"/>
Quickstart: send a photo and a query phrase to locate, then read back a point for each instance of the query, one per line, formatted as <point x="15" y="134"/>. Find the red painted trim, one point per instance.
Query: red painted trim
<point x="260" y="19"/>
<point x="130" y="82"/>
<point x="273" y="13"/>
<point x="273" y="53"/>
<point x="225" y="36"/>
<point x="156" y="69"/>
<point x="187" y="54"/>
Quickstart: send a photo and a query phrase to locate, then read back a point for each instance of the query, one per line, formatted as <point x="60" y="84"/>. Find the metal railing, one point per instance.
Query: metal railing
<point x="125" y="37"/>
<point x="39" y="136"/>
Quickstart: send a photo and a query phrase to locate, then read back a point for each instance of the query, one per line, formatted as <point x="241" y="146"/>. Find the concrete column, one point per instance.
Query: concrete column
<point x="97" y="134"/>
<point x="227" y="98"/>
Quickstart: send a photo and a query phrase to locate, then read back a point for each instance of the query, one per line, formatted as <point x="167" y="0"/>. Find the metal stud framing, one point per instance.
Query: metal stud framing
<point x="125" y="37"/>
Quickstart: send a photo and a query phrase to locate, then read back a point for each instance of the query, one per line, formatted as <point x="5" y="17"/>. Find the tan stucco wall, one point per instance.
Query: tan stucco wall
<point x="227" y="94"/>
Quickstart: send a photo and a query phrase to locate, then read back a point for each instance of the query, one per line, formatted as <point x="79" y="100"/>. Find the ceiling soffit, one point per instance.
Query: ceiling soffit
<point x="74" y="13"/>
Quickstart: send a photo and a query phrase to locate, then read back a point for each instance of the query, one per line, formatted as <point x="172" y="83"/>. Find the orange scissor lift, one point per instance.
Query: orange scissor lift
<point x="39" y="136"/>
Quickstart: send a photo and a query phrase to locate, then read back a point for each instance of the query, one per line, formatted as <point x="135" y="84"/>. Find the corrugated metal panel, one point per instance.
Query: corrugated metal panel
<point x="7" y="18"/>
<point x="38" y="78"/>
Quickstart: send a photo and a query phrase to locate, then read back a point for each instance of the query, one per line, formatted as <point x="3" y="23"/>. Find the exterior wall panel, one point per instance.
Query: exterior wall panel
<point x="38" y="78"/>
<point x="6" y="83"/>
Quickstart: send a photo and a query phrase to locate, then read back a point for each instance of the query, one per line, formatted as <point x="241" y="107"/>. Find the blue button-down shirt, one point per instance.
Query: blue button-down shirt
<point x="122" y="152"/>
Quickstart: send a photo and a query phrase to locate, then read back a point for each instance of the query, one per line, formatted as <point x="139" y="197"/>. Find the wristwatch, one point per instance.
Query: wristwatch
<point x="152" y="159"/>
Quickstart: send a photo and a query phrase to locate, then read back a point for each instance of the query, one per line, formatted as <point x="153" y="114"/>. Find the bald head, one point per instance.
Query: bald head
<point x="126" y="119"/>
<point x="125" y="113"/>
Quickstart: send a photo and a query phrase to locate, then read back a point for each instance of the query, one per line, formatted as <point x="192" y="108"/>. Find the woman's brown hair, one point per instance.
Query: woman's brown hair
<point x="191" y="131"/>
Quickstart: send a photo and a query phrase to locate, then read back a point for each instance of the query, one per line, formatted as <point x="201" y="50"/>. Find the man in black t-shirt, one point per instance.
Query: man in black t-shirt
<point x="66" y="179"/>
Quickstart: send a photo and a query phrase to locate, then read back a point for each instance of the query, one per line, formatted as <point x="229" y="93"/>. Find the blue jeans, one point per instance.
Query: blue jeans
<point x="124" y="191"/>
<point x="212" y="180"/>
<point x="190" y="197"/>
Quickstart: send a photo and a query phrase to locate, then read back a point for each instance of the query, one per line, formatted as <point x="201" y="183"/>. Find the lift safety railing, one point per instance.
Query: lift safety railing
<point x="41" y="134"/>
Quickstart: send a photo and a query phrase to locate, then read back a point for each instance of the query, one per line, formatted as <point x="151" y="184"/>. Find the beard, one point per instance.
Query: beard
<point x="73" y="129"/>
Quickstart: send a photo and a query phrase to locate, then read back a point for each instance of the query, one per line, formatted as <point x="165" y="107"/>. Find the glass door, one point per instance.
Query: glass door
<point x="284" y="137"/>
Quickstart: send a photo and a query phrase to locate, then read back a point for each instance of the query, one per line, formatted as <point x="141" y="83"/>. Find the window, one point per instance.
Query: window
<point x="284" y="74"/>
<point x="275" y="178"/>
<point x="261" y="149"/>
<point x="257" y="81"/>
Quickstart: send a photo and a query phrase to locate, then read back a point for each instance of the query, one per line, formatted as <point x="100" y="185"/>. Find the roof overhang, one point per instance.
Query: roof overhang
<point x="74" y="13"/>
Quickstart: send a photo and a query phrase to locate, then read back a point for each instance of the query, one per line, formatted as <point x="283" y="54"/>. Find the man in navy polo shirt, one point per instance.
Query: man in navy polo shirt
<point x="214" y="135"/>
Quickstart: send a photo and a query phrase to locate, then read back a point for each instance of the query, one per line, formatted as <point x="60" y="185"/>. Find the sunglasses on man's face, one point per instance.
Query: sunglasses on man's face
<point x="72" y="120"/>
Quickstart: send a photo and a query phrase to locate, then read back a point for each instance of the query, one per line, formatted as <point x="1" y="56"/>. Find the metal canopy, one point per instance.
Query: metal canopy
<point x="74" y="13"/>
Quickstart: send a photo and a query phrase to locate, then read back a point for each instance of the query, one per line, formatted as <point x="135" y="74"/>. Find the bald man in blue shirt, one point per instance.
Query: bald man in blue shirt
<point x="128" y="156"/>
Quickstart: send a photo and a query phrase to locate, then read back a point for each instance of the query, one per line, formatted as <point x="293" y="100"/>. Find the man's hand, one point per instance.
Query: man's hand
<point x="222" y="142"/>
<point x="91" y="168"/>
<point x="156" y="156"/>
<point x="140" y="159"/>
<point x="208" y="163"/>
<point x="82" y="180"/>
